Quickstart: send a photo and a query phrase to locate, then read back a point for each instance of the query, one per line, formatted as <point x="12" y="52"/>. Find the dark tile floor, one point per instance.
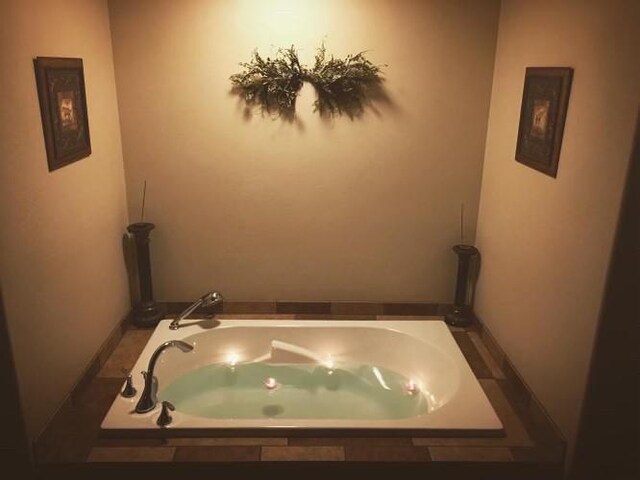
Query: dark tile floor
<point x="73" y="435"/>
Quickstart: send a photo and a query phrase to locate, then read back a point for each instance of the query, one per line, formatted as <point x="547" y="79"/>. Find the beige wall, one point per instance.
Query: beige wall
<point x="546" y="242"/>
<point x="63" y="278"/>
<point x="344" y="210"/>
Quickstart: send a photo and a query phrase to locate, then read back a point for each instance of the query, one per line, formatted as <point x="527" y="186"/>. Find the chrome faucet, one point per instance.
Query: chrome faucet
<point x="207" y="300"/>
<point x="147" y="401"/>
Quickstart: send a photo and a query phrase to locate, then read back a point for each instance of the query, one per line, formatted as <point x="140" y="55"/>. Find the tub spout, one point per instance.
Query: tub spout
<point x="207" y="300"/>
<point x="147" y="401"/>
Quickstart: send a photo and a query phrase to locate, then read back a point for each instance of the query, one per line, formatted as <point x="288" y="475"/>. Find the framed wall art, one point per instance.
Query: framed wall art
<point x="542" y="116"/>
<point x="63" y="108"/>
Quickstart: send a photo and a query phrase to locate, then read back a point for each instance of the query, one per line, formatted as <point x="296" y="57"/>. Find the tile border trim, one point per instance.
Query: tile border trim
<point x="538" y="422"/>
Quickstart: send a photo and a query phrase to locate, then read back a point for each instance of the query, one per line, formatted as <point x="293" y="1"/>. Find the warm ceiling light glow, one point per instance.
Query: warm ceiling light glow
<point x="272" y="24"/>
<point x="285" y="5"/>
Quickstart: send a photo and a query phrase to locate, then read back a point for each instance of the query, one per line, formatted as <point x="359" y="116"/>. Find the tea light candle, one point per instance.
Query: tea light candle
<point x="232" y="359"/>
<point x="330" y="364"/>
<point x="271" y="383"/>
<point x="411" y="387"/>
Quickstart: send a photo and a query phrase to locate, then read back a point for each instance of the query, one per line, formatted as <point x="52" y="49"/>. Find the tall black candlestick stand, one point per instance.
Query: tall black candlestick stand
<point x="462" y="314"/>
<point x="145" y="313"/>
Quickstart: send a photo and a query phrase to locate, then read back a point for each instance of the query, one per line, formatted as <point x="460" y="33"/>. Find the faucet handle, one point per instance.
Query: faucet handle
<point x="129" y="390"/>
<point x="164" y="418"/>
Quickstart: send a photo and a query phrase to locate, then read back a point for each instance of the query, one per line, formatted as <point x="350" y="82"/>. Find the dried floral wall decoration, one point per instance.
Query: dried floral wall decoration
<point x="343" y="86"/>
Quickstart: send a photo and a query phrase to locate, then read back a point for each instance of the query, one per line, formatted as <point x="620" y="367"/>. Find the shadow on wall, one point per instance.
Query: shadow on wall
<point x="375" y="102"/>
<point x="374" y="98"/>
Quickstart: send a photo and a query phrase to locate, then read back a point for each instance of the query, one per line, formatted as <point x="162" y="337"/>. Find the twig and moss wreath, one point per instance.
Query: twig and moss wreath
<point x="341" y="85"/>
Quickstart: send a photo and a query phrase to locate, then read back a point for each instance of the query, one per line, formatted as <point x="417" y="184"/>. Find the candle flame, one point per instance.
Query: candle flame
<point x="330" y="363"/>
<point x="232" y="359"/>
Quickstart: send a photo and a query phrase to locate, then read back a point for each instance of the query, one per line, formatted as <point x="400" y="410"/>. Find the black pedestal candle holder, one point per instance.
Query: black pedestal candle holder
<point x="462" y="314"/>
<point x="145" y="313"/>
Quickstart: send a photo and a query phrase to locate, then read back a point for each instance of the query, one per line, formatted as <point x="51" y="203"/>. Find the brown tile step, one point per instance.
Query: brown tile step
<point x="217" y="454"/>
<point x="303" y="454"/>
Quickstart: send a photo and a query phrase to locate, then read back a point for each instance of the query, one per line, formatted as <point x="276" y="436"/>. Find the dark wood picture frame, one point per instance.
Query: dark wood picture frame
<point x="542" y="116"/>
<point x="63" y="108"/>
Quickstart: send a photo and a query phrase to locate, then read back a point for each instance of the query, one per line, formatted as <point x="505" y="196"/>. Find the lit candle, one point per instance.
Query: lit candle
<point x="330" y="364"/>
<point x="232" y="359"/>
<point x="270" y="383"/>
<point x="411" y="387"/>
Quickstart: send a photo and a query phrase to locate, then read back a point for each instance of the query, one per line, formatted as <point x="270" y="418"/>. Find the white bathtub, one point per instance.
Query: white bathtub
<point x="327" y="369"/>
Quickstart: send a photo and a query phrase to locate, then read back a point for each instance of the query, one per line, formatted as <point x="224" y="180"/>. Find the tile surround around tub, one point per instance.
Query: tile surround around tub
<point x="248" y="307"/>
<point x="300" y="454"/>
<point x="470" y="454"/>
<point x="492" y="346"/>
<point x="350" y="441"/>
<point x="320" y="316"/>
<point x="538" y="454"/>
<point x="483" y="351"/>
<point x="130" y="442"/>
<point x="225" y="441"/>
<point x="124" y="356"/>
<point x="475" y="360"/>
<point x="70" y="435"/>
<point x="515" y="432"/>
<point x="530" y="438"/>
<point x="356" y="308"/>
<point x="112" y="342"/>
<point x="387" y="453"/>
<point x="313" y="308"/>
<point x="517" y="388"/>
<point x="304" y="308"/>
<point x="410" y="308"/>
<point x="131" y="454"/>
<point x="255" y="316"/>
<point x="218" y="454"/>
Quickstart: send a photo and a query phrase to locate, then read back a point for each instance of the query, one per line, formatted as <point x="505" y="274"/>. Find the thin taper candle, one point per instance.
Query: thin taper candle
<point x="144" y="196"/>
<point x="462" y="224"/>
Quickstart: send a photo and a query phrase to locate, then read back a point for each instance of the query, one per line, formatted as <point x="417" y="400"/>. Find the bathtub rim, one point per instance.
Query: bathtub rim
<point x="302" y="427"/>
